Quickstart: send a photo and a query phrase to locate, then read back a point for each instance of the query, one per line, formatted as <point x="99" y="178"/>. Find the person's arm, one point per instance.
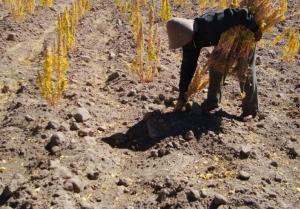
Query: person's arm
<point x="233" y="17"/>
<point x="188" y="68"/>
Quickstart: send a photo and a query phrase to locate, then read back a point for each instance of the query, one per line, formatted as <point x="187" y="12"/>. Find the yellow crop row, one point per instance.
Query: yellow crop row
<point x="20" y="8"/>
<point x="146" y="61"/>
<point x="53" y="81"/>
<point x="145" y="69"/>
<point x="165" y="12"/>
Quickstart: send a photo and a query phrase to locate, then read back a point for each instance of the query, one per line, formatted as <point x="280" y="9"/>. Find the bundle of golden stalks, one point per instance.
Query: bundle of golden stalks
<point x="230" y="56"/>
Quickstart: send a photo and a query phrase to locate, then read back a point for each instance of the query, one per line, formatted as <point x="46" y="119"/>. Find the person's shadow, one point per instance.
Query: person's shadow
<point x="156" y="126"/>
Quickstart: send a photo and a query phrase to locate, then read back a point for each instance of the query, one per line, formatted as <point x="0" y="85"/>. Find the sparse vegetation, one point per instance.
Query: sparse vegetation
<point x="113" y="142"/>
<point x="47" y="3"/>
<point x="165" y="11"/>
<point x="53" y="80"/>
<point x="20" y="8"/>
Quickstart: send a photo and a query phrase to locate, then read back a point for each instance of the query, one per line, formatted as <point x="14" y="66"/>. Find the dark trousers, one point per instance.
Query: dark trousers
<point x="248" y="86"/>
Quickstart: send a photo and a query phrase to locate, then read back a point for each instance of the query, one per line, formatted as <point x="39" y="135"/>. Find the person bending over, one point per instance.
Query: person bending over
<point x="192" y="35"/>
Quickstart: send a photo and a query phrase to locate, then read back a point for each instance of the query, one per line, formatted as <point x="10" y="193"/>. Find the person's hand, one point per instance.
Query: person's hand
<point x="258" y="35"/>
<point x="179" y="107"/>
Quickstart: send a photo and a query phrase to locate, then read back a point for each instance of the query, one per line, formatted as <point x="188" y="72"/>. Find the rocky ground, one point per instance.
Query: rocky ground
<point x="114" y="142"/>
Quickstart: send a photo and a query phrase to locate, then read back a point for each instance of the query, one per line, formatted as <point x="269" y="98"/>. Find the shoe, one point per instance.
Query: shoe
<point x="247" y="116"/>
<point x="207" y="107"/>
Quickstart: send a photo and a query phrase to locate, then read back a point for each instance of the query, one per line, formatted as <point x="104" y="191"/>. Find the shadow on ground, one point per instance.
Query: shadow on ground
<point x="156" y="126"/>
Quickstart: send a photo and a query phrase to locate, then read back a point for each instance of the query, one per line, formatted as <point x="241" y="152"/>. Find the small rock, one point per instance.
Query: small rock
<point x="74" y="185"/>
<point x="93" y="175"/>
<point x="29" y="118"/>
<point x="8" y="191"/>
<point x="161" y="97"/>
<point x="123" y="182"/>
<point x="53" y="124"/>
<point x="62" y="172"/>
<point x="85" y="132"/>
<point x="258" y="60"/>
<point x="18" y="105"/>
<point x="119" y="22"/>
<point x="54" y="164"/>
<point x="81" y="115"/>
<point x="223" y="207"/>
<point x="193" y="195"/>
<point x="162" y="195"/>
<point x="272" y="53"/>
<point x="5" y="89"/>
<point x="86" y="58"/>
<point x="56" y="140"/>
<point x="293" y="152"/>
<point x="111" y="55"/>
<point x="204" y="193"/>
<point x="120" y="89"/>
<point x="243" y="175"/>
<point x="211" y="168"/>
<point x="113" y="76"/>
<point x="161" y="152"/>
<point x="131" y="93"/>
<point x="11" y="37"/>
<point x="189" y="135"/>
<point x="144" y="97"/>
<point x="63" y="127"/>
<point x="241" y="189"/>
<point x="55" y="149"/>
<point x="74" y="126"/>
<point x="219" y="200"/>
<point x="85" y="205"/>
<point x="44" y="136"/>
<point x="260" y="125"/>
<point x="170" y="102"/>
<point x="176" y="145"/>
<point x="272" y="194"/>
<point x="245" y="152"/>
<point x="102" y="127"/>
<point x="274" y="163"/>
<point x="266" y="179"/>
<point x="129" y="207"/>
<point x="162" y="68"/>
<point x="293" y="139"/>
<point x="278" y="178"/>
<point x="170" y="145"/>
<point x="154" y="153"/>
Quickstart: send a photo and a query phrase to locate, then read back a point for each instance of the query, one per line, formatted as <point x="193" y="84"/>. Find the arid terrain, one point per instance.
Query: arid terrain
<point x="113" y="142"/>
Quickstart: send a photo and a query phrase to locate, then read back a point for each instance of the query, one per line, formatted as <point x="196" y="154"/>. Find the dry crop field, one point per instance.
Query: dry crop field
<point x="87" y="90"/>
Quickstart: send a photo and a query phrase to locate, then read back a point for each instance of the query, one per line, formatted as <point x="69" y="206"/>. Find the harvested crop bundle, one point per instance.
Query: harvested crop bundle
<point x="231" y="54"/>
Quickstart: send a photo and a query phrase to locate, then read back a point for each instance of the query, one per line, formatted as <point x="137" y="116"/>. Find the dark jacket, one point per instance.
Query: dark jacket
<point x="211" y="26"/>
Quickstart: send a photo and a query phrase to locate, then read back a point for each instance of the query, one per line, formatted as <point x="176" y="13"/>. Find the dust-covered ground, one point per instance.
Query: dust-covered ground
<point x="114" y="142"/>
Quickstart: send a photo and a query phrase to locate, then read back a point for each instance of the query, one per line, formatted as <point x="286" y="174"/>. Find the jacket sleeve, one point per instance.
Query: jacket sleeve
<point x="233" y="17"/>
<point x="188" y="68"/>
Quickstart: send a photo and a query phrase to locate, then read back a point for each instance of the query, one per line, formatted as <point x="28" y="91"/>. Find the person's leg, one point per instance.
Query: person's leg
<point x="214" y="91"/>
<point x="249" y="87"/>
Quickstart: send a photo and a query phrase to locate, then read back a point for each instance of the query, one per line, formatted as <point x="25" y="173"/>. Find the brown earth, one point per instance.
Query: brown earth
<point x="131" y="151"/>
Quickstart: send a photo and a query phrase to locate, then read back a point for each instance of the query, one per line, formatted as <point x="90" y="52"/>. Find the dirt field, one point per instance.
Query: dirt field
<point x="113" y="142"/>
